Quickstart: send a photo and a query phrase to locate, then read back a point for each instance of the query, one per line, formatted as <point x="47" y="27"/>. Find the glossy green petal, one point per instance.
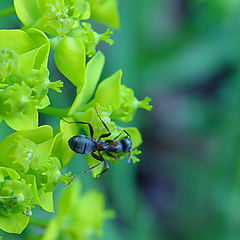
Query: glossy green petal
<point x="108" y="91"/>
<point x="45" y="149"/>
<point x="37" y="135"/>
<point x="93" y="73"/>
<point x="42" y="42"/>
<point x="31" y="179"/>
<point x="105" y="12"/>
<point x="8" y="40"/>
<point x="8" y="172"/>
<point x="68" y="130"/>
<point x="14" y="223"/>
<point x="27" y="13"/>
<point x="32" y="38"/>
<point x="23" y="121"/>
<point x="26" y="62"/>
<point x="46" y="199"/>
<point x="44" y="103"/>
<point x="69" y="55"/>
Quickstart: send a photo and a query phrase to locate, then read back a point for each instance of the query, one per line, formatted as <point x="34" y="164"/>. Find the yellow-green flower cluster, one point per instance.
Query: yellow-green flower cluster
<point x="29" y="173"/>
<point x="24" y="82"/>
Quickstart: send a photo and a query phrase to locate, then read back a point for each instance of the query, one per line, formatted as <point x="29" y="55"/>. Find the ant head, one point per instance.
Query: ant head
<point x="126" y="144"/>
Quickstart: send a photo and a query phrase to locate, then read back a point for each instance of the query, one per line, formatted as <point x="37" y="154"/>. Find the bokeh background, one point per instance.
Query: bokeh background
<point x="185" y="55"/>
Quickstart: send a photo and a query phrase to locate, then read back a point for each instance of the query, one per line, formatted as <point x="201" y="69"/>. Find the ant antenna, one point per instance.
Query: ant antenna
<point x="130" y="156"/>
<point x="86" y="171"/>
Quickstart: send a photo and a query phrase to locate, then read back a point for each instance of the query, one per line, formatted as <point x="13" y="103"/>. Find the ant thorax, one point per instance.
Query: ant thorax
<point x="109" y="145"/>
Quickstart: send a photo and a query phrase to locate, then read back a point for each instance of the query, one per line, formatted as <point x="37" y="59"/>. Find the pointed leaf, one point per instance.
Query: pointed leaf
<point x="69" y="56"/>
<point x="93" y="72"/>
<point x="108" y="91"/>
<point x="27" y="13"/>
<point x="15" y="223"/>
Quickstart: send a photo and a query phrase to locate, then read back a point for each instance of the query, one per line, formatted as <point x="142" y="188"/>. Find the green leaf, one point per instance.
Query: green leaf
<point x="26" y="62"/>
<point x="108" y="91"/>
<point x="45" y="149"/>
<point x="93" y="73"/>
<point x="46" y="199"/>
<point x="8" y="40"/>
<point x="37" y="135"/>
<point x="68" y="130"/>
<point x="31" y="179"/>
<point x="69" y="55"/>
<point x="44" y="103"/>
<point x="105" y="12"/>
<point x="8" y="172"/>
<point x="42" y="42"/>
<point x="23" y="121"/>
<point x="15" y="223"/>
<point x="27" y="13"/>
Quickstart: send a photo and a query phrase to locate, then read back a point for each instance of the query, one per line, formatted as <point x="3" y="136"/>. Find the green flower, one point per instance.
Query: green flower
<point x="29" y="173"/>
<point x="105" y="11"/>
<point x="119" y="98"/>
<point x="90" y="38"/>
<point x="55" y="17"/>
<point x="79" y="216"/>
<point x="24" y="82"/>
<point x="129" y="104"/>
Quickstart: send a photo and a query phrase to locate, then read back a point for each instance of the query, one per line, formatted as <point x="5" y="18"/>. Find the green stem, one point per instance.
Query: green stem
<point x="39" y="222"/>
<point x="7" y="11"/>
<point x="57" y="112"/>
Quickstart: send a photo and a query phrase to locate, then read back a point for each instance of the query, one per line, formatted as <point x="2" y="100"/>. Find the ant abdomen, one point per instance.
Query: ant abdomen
<point x="81" y="144"/>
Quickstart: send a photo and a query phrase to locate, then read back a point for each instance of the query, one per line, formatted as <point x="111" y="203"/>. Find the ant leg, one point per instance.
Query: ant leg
<point x="109" y="154"/>
<point x="89" y="125"/>
<point x="130" y="156"/>
<point x="121" y="134"/>
<point x="105" y="125"/>
<point x="117" y="136"/>
<point x="97" y="157"/>
<point x="86" y="171"/>
<point x="127" y="134"/>
<point x="105" y="163"/>
<point x="107" y="167"/>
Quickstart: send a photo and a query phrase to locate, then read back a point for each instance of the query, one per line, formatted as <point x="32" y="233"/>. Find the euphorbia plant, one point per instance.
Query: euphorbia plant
<point x="31" y="159"/>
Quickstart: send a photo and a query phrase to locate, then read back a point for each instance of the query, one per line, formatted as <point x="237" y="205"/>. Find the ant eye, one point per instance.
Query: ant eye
<point x="126" y="144"/>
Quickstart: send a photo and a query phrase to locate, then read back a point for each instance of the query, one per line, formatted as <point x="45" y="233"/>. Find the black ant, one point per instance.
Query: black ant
<point x="85" y="145"/>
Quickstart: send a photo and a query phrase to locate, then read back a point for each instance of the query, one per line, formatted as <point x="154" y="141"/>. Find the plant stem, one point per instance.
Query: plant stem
<point x="7" y="11"/>
<point x="57" y="112"/>
<point x="38" y="222"/>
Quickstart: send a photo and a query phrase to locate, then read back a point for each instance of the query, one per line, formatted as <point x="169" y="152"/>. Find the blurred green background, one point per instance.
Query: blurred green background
<point x="185" y="55"/>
